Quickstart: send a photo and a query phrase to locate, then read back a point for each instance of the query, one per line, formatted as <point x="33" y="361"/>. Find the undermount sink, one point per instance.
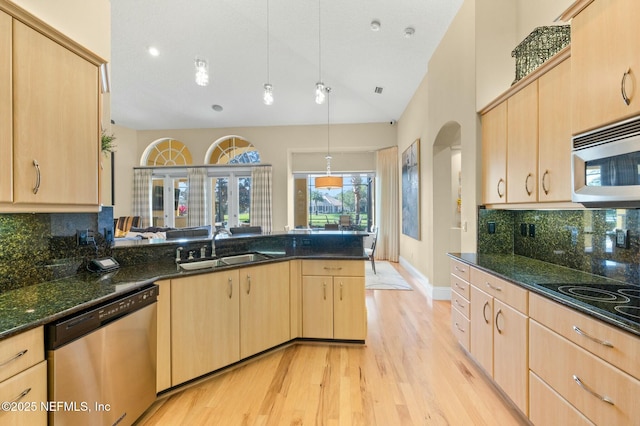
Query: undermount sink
<point x="224" y="261"/>
<point x="243" y="258"/>
<point x="202" y="264"/>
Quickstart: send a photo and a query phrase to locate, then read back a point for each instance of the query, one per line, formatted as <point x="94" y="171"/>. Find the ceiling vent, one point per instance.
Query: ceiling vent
<point x="378" y="90"/>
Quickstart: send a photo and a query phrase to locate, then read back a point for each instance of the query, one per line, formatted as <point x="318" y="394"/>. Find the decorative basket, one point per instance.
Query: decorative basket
<point x="538" y="47"/>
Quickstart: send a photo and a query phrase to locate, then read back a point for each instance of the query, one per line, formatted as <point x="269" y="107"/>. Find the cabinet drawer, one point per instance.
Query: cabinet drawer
<point x="621" y="349"/>
<point x="20" y="352"/>
<point x="511" y="294"/>
<point x="345" y="268"/>
<point x="460" y="286"/>
<point x="583" y="379"/>
<point x="460" y="269"/>
<point x="27" y="389"/>
<point x="460" y="327"/>
<point x="460" y="303"/>
<point x="547" y="407"/>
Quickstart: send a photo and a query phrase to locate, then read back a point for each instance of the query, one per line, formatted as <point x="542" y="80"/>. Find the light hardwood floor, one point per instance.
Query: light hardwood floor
<point x="411" y="371"/>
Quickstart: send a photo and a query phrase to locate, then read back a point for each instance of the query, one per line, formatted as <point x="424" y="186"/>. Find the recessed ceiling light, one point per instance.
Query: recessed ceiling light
<point x="153" y="51"/>
<point x="409" y="32"/>
<point x="377" y="90"/>
<point x="375" y="25"/>
<point x="216" y="107"/>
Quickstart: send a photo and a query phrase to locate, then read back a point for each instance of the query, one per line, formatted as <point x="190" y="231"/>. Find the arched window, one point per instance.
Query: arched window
<point x="232" y="150"/>
<point x="166" y="152"/>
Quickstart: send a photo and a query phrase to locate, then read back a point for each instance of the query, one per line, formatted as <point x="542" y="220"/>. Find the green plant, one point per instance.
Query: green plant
<point x="107" y="145"/>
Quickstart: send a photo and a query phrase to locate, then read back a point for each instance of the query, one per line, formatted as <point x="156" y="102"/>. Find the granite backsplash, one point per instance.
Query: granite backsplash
<point x="579" y="239"/>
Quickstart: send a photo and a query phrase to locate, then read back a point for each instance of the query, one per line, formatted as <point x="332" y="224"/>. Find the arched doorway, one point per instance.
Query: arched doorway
<point x="447" y="178"/>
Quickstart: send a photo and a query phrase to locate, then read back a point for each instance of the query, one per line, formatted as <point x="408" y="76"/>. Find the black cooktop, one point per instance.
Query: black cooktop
<point x="619" y="300"/>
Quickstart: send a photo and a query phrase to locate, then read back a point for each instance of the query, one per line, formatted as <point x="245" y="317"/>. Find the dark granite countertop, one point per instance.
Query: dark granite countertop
<point x="533" y="274"/>
<point x="39" y="304"/>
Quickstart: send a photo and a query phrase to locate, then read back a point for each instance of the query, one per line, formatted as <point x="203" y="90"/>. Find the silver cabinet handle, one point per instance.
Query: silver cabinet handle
<point x="248" y="284"/>
<point x="492" y="287"/>
<point x="594" y="339"/>
<point x="460" y="305"/>
<point x="459" y="328"/>
<point x="333" y="268"/>
<point x="15" y="357"/>
<point x="460" y="269"/>
<point x="230" y="288"/>
<point x="341" y="287"/>
<point x="324" y="290"/>
<point x="500" y="194"/>
<point x="21" y="395"/>
<point x="623" y="87"/>
<point x="497" y="326"/>
<point x="591" y="391"/>
<point x="36" y="187"/>
<point x="544" y="180"/>
<point x="526" y="184"/>
<point x="458" y="285"/>
<point x="484" y="312"/>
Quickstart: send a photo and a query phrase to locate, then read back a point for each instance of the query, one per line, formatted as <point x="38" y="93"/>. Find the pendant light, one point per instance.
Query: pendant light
<point x="328" y="182"/>
<point x="321" y="89"/>
<point x="267" y="96"/>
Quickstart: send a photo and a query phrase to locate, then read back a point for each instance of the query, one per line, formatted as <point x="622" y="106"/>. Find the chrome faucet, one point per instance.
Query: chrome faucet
<point x="213" y="247"/>
<point x="178" y="254"/>
<point x="203" y="252"/>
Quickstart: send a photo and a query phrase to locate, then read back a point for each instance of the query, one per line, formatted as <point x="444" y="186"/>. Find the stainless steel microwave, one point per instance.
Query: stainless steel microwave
<point x="605" y="166"/>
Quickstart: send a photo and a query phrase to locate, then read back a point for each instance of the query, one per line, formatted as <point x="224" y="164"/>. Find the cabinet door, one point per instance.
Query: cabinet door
<point x="605" y="40"/>
<point x="317" y="307"/>
<point x="554" y="139"/>
<point x="6" y="152"/>
<point x="204" y="324"/>
<point x="55" y="107"/>
<point x="494" y="155"/>
<point x="349" y="310"/>
<point x="522" y="145"/>
<point x="510" y="353"/>
<point x="163" y="335"/>
<point x="264" y="307"/>
<point x="30" y="386"/>
<point x="482" y="329"/>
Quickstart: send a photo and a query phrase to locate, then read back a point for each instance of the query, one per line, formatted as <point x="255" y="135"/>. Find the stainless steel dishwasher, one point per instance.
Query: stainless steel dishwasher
<point x="102" y="362"/>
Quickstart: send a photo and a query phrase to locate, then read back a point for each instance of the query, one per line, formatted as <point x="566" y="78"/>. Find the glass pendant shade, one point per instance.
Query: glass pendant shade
<point x="268" y="94"/>
<point x="202" y="72"/>
<point x="320" y="92"/>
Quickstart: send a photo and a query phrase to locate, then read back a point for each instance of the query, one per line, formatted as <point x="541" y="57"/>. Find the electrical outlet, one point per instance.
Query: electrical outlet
<point x="622" y="238"/>
<point x="491" y="227"/>
<point x="81" y="237"/>
<point x="108" y="235"/>
<point x="523" y="229"/>
<point x="532" y="230"/>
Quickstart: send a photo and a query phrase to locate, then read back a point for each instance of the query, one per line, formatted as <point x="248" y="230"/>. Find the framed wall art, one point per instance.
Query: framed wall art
<point x="411" y="190"/>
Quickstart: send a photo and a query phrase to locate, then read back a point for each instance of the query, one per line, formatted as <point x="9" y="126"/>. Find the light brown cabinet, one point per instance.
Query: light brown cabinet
<point x="163" y="336"/>
<point x="460" y="306"/>
<point x="499" y="334"/>
<point x="494" y="155"/>
<point x="6" y="111"/>
<point x="605" y="40"/>
<point x="547" y="407"/>
<point x="264" y="307"/>
<point x="50" y="131"/>
<point x="333" y="300"/>
<point x="593" y="366"/>
<point x="522" y="145"/>
<point x="23" y="378"/>
<point x="554" y="134"/>
<point x="205" y="324"/>
<point x="526" y="139"/>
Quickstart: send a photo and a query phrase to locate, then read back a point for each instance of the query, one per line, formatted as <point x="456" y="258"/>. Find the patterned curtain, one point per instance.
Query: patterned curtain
<point x="141" y="205"/>
<point x="260" y="210"/>
<point x="388" y="214"/>
<point x="197" y="214"/>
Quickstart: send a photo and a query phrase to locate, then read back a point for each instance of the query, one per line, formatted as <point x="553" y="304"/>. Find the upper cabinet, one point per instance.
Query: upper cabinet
<point x="605" y="41"/>
<point x="6" y="177"/>
<point x="526" y="138"/>
<point x="52" y="128"/>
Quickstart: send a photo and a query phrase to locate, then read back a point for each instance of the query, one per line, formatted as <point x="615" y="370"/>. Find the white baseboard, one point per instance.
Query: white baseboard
<point x="435" y="293"/>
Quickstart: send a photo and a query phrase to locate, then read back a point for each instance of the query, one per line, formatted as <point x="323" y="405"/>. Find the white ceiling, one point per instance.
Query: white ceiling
<point x="160" y="92"/>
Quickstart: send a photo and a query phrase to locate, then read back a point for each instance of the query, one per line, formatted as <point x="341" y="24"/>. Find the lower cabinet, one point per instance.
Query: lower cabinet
<point x="24" y="393"/>
<point x="333" y="300"/>
<point x="547" y="407"/>
<point x="264" y="307"/>
<point x="205" y="324"/>
<point x="499" y="334"/>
